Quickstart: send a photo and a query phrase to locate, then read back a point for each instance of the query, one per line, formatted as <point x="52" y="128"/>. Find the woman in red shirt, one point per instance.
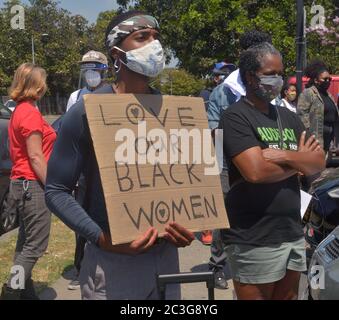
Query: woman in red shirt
<point x="31" y="141"/>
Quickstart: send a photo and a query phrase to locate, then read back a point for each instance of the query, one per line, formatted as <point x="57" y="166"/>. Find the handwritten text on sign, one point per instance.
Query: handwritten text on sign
<point x="151" y="157"/>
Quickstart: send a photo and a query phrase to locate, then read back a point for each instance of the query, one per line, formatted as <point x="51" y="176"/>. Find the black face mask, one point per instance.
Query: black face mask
<point x="323" y="86"/>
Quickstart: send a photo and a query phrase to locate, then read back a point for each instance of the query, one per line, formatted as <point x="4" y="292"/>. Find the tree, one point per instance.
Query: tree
<point x="97" y="31"/>
<point x="58" y="54"/>
<point x="201" y="32"/>
<point x="13" y="44"/>
<point x="178" y="82"/>
<point x="328" y="36"/>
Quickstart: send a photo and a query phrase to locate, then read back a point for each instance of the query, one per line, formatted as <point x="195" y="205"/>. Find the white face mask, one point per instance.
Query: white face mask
<point x="93" y="78"/>
<point x="148" y="60"/>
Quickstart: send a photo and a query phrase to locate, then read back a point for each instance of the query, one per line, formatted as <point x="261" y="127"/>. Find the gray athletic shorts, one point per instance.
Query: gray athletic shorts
<point x="112" y="276"/>
<point x="259" y="265"/>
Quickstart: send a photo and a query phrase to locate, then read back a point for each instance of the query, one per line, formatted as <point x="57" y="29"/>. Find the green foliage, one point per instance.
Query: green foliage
<point x="202" y="32"/>
<point x="199" y="32"/>
<point x="178" y="82"/>
<point x="58" y="53"/>
<point x="327" y="36"/>
<point x="97" y="32"/>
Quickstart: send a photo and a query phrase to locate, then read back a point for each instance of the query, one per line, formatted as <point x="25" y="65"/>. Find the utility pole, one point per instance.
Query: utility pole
<point x="43" y="36"/>
<point x="301" y="43"/>
<point x="33" y="50"/>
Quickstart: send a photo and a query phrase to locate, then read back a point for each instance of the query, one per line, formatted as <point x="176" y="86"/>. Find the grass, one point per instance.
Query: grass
<point x="58" y="259"/>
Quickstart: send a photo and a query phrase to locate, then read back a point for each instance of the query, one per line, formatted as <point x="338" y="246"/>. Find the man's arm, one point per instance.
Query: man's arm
<point x="255" y="169"/>
<point x="64" y="168"/>
<point x="63" y="171"/>
<point x="309" y="160"/>
<point x="308" y="163"/>
<point x="243" y="148"/>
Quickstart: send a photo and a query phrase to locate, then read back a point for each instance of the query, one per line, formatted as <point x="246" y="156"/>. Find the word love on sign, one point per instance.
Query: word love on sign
<point x="154" y="154"/>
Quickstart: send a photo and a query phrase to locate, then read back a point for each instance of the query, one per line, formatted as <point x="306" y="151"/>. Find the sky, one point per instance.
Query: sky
<point x="90" y="10"/>
<point x="87" y="8"/>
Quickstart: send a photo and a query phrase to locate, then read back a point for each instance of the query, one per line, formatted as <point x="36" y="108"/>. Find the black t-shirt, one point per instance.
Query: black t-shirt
<point x="261" y="214"/>
<point x="330" y="109"/>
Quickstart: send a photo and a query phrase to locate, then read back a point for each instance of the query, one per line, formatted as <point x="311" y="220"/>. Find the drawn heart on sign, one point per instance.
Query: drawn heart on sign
<point x="135" y="112"/>
<point x="162" y="212"/>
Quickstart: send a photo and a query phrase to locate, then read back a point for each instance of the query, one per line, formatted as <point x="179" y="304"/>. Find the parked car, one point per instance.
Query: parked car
<point x="8" y="218"/>
<point x="10" y="104"/>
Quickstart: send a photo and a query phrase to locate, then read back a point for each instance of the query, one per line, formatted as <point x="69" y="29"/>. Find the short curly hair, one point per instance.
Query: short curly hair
<point x="251" y="60"/>
<point x="254" y="37"/>
<point x="314" y="69"/>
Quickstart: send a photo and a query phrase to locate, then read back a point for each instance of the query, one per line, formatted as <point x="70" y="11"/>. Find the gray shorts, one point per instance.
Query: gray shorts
<point x="112" y="276"/>
<point x="260" y="265"/>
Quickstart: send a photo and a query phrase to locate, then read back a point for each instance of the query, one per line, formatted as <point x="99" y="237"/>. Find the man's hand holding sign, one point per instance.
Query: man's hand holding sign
<point x="176" y="234"/>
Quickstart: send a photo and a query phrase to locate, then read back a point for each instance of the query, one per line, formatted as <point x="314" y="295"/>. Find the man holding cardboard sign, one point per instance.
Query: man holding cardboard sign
<point x="134" y="207"/>
<point x="148" y="176"/>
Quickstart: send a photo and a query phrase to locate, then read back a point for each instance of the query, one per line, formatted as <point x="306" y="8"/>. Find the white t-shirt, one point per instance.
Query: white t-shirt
<point x="75" y="96"/>
<point x="286" y="104"/>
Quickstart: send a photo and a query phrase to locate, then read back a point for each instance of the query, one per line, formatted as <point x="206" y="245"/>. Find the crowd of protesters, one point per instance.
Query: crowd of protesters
<point x="264" y="246"/>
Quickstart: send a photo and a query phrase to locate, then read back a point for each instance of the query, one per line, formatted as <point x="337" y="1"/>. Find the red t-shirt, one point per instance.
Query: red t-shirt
<point x="25" y="120"/>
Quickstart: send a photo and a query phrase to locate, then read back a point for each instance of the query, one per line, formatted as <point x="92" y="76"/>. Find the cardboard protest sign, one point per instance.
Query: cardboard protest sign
<point x="151" y="152"/>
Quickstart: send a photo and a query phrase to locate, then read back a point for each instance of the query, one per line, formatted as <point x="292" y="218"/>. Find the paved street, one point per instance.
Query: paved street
<point x="192" y="259"/>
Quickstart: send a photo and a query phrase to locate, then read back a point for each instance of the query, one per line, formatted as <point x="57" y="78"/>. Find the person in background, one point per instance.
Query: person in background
<point x="220" y="72"/>
<point x="289" y="96"/>
<point x="265" y="147"/>
<point x="94" y="66"/>
<point x="232" y="89"/>
<point x="222" y="97"/>
<point x="316" y="107"/>
<point x="31" y="141"/>
<point x="113" y="272"/>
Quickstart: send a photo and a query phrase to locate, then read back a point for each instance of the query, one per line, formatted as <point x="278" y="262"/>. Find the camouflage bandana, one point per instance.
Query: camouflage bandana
<point x="125" y="28"/>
